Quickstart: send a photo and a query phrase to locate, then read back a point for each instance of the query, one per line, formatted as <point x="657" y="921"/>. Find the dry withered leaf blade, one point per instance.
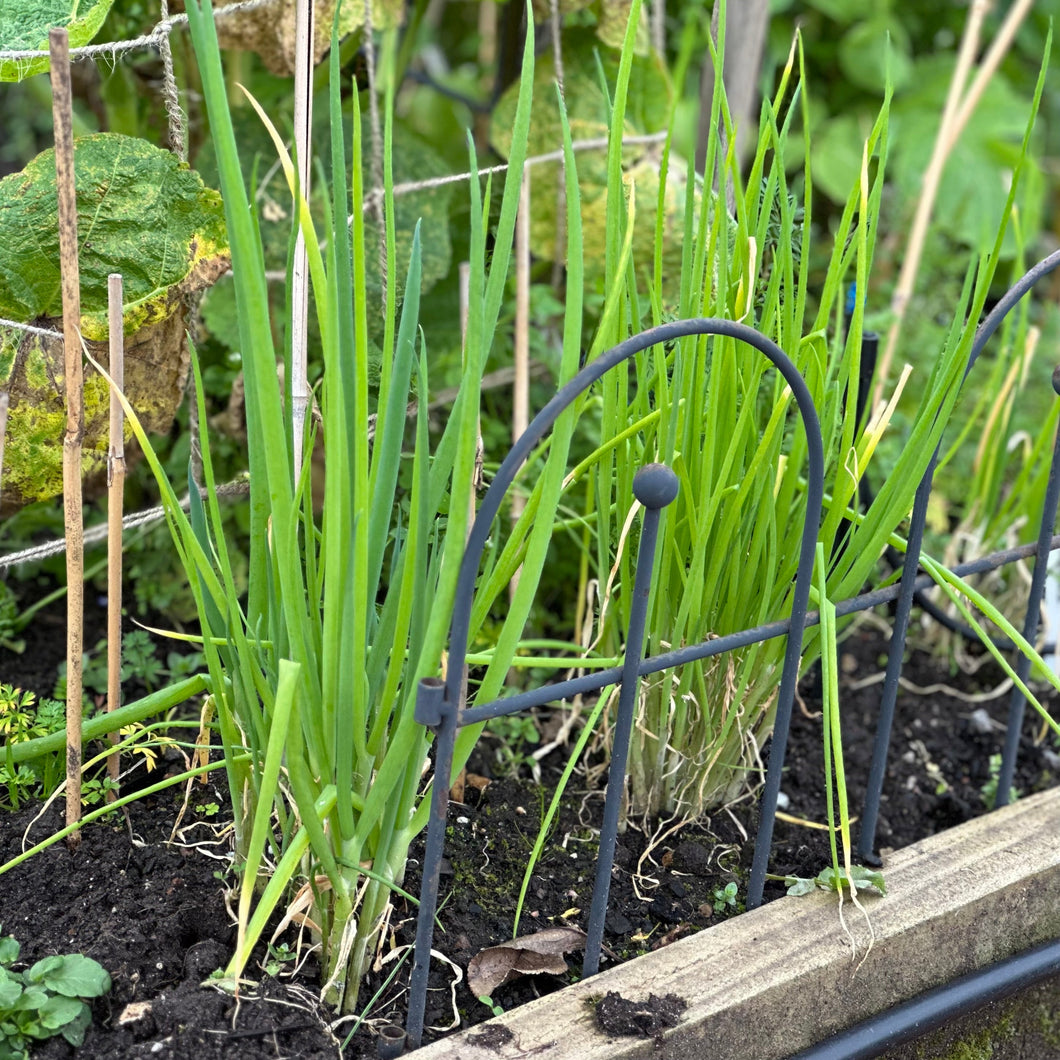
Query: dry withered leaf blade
<point x="527" y="955"/>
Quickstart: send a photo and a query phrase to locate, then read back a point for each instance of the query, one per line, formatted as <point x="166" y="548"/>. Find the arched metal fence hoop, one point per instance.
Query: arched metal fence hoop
<point x="439" y="703"/>
<point x="564" y="397"/>
<point x="911" y="567"/>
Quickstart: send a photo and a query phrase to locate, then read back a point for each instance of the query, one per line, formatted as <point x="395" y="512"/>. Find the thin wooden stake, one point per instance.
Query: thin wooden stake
<point x="62" y="114"/>
<point x="115" y="499"/>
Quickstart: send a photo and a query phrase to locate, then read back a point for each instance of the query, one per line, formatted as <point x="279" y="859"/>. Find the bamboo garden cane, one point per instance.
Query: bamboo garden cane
<point x="62" y="110"/>
<point x="115" y="498"/>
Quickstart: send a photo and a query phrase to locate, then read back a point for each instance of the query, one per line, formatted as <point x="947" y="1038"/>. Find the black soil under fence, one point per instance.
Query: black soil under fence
<point x="153" y="911"/>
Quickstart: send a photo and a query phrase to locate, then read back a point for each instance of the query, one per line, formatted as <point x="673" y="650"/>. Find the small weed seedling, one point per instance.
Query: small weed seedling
<point x="988" y="791"/>
<point x="857" y="876"/>
<point x="94" y="792"/>
<point x="19" y="716"/>
<point x="496" y="1009"/>
<point x="46" y="999"/>
<point x="23" y="717"/>
<point x="279" y="957"/>
<point x="517" y="736"/>
<point x="725" y="897"/>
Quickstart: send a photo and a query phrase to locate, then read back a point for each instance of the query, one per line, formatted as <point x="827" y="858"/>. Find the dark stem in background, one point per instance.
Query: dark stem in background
<point x="509" y="43"/>
<point x="62" y="112"/>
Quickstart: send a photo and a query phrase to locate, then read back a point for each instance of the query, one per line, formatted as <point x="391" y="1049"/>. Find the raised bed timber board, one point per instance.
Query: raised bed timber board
<point x="778" y="979"/>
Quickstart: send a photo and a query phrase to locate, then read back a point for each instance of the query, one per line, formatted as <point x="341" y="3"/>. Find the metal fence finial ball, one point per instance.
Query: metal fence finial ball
<point x="655" y="485"/>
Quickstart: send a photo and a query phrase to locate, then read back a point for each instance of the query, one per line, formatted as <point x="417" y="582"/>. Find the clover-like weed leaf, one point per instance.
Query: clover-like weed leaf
<point x="73" y="975"/>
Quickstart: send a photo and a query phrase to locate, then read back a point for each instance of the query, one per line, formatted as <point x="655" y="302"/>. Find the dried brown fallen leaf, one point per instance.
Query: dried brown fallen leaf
<point x="467" y="780"/>
<point x="473" y="780"/>
<point x="527" y="955"/>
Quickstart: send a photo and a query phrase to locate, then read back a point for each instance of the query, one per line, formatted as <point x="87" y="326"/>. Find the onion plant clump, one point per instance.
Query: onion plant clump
<point x="314" y="672"/>
<point x="713" y="410"/>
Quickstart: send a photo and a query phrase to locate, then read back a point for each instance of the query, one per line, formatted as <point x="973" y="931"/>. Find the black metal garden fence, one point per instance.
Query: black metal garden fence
<point x="439" y="704"/>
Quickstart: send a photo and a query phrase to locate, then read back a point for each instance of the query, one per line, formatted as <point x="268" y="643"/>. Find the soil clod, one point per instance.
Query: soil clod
<point x="621" y="1016"/>
<point x="492" y="1036"/>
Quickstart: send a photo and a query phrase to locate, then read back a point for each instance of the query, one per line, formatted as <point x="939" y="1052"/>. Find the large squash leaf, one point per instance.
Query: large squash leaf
<point x="141" y="213"/>
<point x="24" y="26"/>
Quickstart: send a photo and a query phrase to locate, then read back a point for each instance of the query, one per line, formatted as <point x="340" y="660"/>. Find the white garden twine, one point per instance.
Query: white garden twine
<point x="157" y="38"/>
<point x="97" y="534"/>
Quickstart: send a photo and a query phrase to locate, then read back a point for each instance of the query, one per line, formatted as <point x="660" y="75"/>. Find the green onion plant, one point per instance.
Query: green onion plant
<point x="314" y="672"/>
<point x="715" y="412"/>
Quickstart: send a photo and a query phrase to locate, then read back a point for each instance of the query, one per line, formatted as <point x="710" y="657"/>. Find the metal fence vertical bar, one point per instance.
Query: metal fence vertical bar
<point x="655" y="486"/>
<point x="789" y="677"/>
<point x="874" y="789"/>
<point x="434" y="711"/>
<point x="889" y="696"/>
<point x="1031" y="620"/>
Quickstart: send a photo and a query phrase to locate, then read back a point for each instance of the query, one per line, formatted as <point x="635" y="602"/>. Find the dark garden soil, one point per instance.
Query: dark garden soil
<point x="154" y="911"/>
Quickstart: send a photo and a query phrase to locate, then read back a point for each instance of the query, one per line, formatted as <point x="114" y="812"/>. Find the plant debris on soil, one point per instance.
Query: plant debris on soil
<point x="154" y="912"/>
